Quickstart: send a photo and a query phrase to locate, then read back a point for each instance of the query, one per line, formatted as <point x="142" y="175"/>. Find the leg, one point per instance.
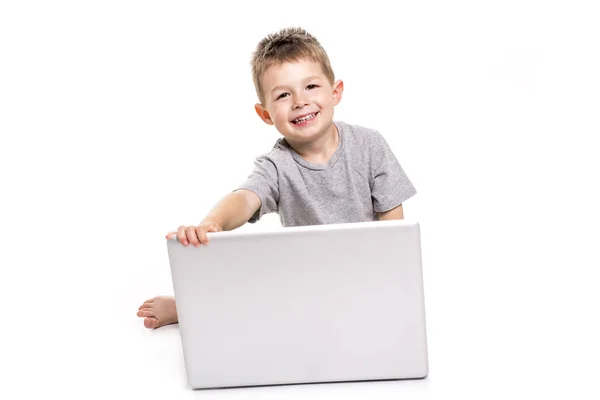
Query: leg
<point x="158" y="311"/>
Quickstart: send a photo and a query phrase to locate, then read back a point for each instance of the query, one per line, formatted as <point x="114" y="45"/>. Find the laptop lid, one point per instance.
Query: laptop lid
<point x="326" y="303"/>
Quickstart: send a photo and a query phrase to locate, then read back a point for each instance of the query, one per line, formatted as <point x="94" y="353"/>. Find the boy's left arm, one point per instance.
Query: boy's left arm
<point x="394" y="213"/>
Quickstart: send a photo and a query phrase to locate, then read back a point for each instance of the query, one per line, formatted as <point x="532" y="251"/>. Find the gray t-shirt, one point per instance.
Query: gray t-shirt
<point x="362" y="177"/>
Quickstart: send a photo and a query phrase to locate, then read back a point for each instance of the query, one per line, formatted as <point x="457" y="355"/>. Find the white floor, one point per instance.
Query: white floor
<point x="500" y="323"/>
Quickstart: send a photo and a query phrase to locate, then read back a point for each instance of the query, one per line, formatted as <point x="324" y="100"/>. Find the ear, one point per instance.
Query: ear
<point x="338" y="89"/>
<point x="263" y="113"/>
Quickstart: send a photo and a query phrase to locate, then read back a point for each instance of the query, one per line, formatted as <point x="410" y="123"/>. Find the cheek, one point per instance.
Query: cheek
<point x="281" y="114"/>
<point x="324" y="99"/>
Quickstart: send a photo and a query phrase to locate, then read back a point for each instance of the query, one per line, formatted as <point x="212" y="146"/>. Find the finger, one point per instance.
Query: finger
<point x="171" y="234"/>
<point x="201" y="233"/>
<point x="181" y="235"/>
<point x="190" y="232"/>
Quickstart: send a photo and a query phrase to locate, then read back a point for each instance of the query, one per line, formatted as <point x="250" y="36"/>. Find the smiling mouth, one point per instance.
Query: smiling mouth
<point x="305" y="118"/>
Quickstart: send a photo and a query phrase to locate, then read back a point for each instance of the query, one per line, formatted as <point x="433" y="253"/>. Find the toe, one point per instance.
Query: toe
<point x="147" y="303"/>
<point x="145" y="313"/>
<point x="151" y="322"/>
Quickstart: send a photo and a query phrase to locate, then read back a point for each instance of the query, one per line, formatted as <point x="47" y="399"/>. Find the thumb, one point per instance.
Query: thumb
<point x="214" y="228"/>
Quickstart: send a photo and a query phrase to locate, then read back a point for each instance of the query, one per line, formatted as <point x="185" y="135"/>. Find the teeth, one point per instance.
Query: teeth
<point x="310" y="116"/>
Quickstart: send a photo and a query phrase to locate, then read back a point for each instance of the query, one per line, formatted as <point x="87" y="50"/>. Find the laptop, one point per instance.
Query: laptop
<point x="311" y="304"/>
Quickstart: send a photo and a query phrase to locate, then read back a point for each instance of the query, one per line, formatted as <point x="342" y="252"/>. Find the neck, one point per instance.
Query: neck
<point x="321" y="149"/>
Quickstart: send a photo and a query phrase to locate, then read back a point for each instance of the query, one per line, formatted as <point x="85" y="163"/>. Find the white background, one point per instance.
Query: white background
<point x="121" y="120"/>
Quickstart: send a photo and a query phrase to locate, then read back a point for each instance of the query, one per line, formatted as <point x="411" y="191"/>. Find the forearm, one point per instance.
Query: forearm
<point x="232" y="211"/>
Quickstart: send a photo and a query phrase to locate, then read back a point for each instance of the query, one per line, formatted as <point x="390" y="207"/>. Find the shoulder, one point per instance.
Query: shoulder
<point x="361" y="136"/>
<point x="278" y="156"/>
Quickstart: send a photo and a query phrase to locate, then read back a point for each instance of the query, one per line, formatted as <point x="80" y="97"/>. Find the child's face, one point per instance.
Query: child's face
<point x="299" y="100"/>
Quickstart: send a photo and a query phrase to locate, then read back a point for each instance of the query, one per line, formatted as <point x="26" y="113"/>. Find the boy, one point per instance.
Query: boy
<point x="320" y="172"/>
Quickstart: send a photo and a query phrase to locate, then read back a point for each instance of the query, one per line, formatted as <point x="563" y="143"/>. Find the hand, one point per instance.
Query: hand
<point x="195" y="235"/>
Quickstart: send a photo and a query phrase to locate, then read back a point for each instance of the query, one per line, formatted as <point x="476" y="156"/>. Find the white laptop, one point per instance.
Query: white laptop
<point x="326" y="303"/>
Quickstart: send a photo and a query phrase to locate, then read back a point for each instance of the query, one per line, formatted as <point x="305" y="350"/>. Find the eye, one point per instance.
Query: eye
<point x="312" y="86"/>
<point x="282" y="95"/>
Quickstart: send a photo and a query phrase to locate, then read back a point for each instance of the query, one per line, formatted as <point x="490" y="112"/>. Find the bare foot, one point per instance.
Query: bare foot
<point x="158" y="311"/>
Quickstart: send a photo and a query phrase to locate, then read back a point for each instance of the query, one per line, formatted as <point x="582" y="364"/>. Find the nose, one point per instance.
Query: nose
<point x="300" y="100"/>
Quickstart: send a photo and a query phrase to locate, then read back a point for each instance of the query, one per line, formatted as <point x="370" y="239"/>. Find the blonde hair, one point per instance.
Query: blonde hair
<point x="287" y="45"/>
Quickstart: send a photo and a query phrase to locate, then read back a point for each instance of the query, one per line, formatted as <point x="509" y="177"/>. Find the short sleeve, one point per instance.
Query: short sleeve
<point x="390" y="186"/>
<point x="264" y="182"/>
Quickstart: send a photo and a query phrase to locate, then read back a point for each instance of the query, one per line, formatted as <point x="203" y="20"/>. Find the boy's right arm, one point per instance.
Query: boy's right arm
<point x="233" y="211"/>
